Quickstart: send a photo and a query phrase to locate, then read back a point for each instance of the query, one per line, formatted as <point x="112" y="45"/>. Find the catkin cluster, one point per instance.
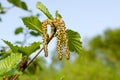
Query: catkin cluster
<point x="62" y="40"/>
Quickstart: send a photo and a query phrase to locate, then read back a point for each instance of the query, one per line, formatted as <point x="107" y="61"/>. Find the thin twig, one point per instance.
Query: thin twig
<point x="50" y="38"/>
<point x="14" y="77"/>
<point x="35" y="56"/>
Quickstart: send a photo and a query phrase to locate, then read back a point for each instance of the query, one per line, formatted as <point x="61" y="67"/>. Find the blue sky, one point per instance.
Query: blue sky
<point x="88" y="17"/>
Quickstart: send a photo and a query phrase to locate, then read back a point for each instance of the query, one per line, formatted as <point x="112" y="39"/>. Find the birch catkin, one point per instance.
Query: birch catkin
<point x="45" y="35"/>
<point x="62" y="39"/>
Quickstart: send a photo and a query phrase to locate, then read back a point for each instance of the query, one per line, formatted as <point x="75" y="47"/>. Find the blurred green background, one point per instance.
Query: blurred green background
<point x="101" y="61"/>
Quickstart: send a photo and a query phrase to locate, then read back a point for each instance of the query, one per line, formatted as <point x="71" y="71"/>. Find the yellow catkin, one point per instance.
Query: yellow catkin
<point x="67" y="53"/>
<point x="59" y="49"/>
<point x="62" y="39"/>
<point x="45" y="35"/>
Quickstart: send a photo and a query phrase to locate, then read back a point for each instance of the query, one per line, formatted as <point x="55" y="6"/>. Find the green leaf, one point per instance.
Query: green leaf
<point x="18" y="30"/>
<point x="2" y="12"/>
<point x="33" y="33"/>
<point x="26" y="50"/>
<point x="32" y="23"/>
<point x="30" y="49"/>
<point x="74" y="41"/>
<point x="44" y="9"/>
<point x="4" y="54"/>
<point x="57" y="14"/>
<point x="1" y="7"/>
<point x="19" y="4"/>
<point x="8" y="65"/>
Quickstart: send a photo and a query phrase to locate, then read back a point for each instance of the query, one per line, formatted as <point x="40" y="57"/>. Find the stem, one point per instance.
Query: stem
<point x="14" y="77"/>
<point x="50" y="38"/>
<point x="35" y="56"/>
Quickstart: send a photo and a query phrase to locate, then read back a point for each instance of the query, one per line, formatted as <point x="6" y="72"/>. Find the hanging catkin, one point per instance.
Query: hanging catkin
<point x="45" y="35"/>
<point x="62" y="39"/>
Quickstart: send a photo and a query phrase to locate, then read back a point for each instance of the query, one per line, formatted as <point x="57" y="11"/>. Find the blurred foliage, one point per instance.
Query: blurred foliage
<point x="1" y="11"/>
<point x="81" y="69"/>
<point x="107" y="45"/>
<point x="18" y="30"/>
<point x="34" y="33"/>
<point x="19" y="4"/>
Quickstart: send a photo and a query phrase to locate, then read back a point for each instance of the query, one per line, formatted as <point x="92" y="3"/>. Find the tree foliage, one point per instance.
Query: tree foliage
<point x="107" y="44"/>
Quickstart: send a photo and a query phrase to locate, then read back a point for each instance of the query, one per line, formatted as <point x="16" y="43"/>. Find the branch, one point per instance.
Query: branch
<point x="50" y="38"/>
<point x="25" y="65"/>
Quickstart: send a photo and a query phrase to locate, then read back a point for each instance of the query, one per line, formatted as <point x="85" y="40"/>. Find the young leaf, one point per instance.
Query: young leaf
<point x="32" y="23"/>
<point x="8" y="65"/>
<point x="19" y="4"/>
<point x="74" y="41"/>
<point x="43" y="8"/>
<point x="57" y="14"/>
<point x="18" y="30"/>
<point x="26" y="50"/>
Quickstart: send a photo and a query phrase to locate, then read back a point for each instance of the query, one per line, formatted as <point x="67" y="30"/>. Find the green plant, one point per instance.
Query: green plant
<point x="17" y="59"/>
